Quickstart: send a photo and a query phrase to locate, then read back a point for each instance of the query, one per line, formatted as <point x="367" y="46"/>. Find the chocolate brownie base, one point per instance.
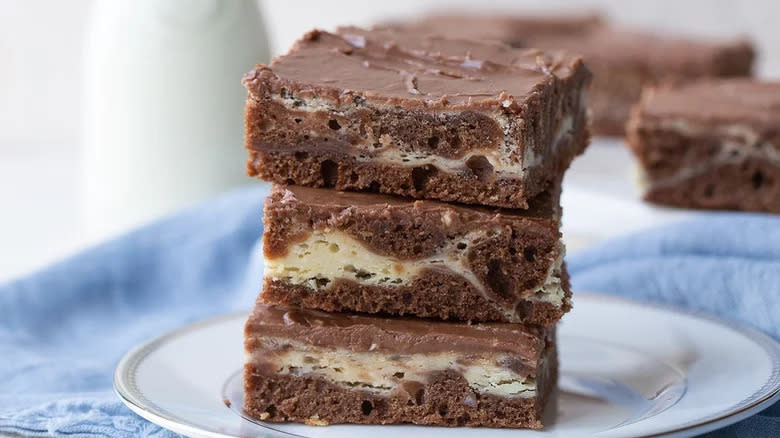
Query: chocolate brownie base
<point x="459" y="121"/>
<point x="713" y="145"/>
<point x="433" y="295"/>
<point x="331" y="169"/>
<point x="319" y="369"/>
<point x="348" y="251"/>
<point x="447" y="400"/>
<point x="751" y="185"/>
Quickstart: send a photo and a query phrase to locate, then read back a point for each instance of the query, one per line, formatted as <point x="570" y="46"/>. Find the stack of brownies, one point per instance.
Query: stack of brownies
<point x="414" y="265"/>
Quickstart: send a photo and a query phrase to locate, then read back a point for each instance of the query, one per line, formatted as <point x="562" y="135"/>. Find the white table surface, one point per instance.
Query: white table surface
<point x="40" y="215"/>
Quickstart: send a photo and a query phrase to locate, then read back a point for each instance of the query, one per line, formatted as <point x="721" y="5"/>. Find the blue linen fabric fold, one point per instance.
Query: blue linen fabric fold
<point x="724" y="264"/>
<point x="63" y="329"/>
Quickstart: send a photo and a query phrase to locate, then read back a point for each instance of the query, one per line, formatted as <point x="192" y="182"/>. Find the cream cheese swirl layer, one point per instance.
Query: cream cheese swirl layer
<point x="325" y="256"/>
<point x="382" y="373"/>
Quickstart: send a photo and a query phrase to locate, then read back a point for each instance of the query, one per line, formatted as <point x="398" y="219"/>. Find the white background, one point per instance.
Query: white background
<point x="41" y="91"/>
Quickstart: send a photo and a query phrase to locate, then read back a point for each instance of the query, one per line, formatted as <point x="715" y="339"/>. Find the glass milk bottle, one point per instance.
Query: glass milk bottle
<point x="164" y="106"/>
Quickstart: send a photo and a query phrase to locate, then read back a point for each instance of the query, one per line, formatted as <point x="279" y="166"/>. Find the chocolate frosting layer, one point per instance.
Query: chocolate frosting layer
<point x="359" y="333"/>
<point x="736" y="101"/>
<point x="511" y="29"/>
<point x="544" y="206"/>
<point x="385" y="67"/>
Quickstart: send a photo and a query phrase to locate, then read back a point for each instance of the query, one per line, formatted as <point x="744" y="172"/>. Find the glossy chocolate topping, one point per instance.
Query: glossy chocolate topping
<point x="512" y="29"/>
<point x="469" y="53"/>
<point x="386" y="67"/>
<point x="743" y="101"/>
<point x="543" y="206"/>
<point x="358" y="333"/>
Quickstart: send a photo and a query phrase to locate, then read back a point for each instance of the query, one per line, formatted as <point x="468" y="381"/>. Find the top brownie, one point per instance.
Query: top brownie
<point x="427" y="117"/>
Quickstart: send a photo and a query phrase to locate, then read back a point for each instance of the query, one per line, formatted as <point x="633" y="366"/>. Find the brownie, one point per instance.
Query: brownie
<point x="712" y="144"/>
<point x="622" y="60"/>
<point x="516" y="30"/>
<point x="452" y="120"/>
<point x="363" y="252"/>
<point x="325" y="368"/>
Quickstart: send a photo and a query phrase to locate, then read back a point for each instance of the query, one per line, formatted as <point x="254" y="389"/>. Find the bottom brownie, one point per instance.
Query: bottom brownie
<point x="318" y="368"/>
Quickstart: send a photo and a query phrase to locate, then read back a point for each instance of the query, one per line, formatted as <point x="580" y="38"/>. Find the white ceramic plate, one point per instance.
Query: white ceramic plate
<point x="627" y="370"/>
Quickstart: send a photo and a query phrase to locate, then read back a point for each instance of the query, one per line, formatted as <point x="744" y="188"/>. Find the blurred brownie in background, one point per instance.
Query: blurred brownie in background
<point x="460" y="121"/>
<point x="710" y="144"/>
<point x="516" y="30"/>
<point x="622" y="60"/>
<point x="625" y="61"/>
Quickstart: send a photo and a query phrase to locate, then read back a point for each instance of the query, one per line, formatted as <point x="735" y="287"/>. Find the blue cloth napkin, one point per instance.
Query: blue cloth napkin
<point x="63" y="330"/>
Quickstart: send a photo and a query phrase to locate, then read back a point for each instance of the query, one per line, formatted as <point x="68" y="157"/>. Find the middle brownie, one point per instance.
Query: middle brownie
<point x="348" y="251"/>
